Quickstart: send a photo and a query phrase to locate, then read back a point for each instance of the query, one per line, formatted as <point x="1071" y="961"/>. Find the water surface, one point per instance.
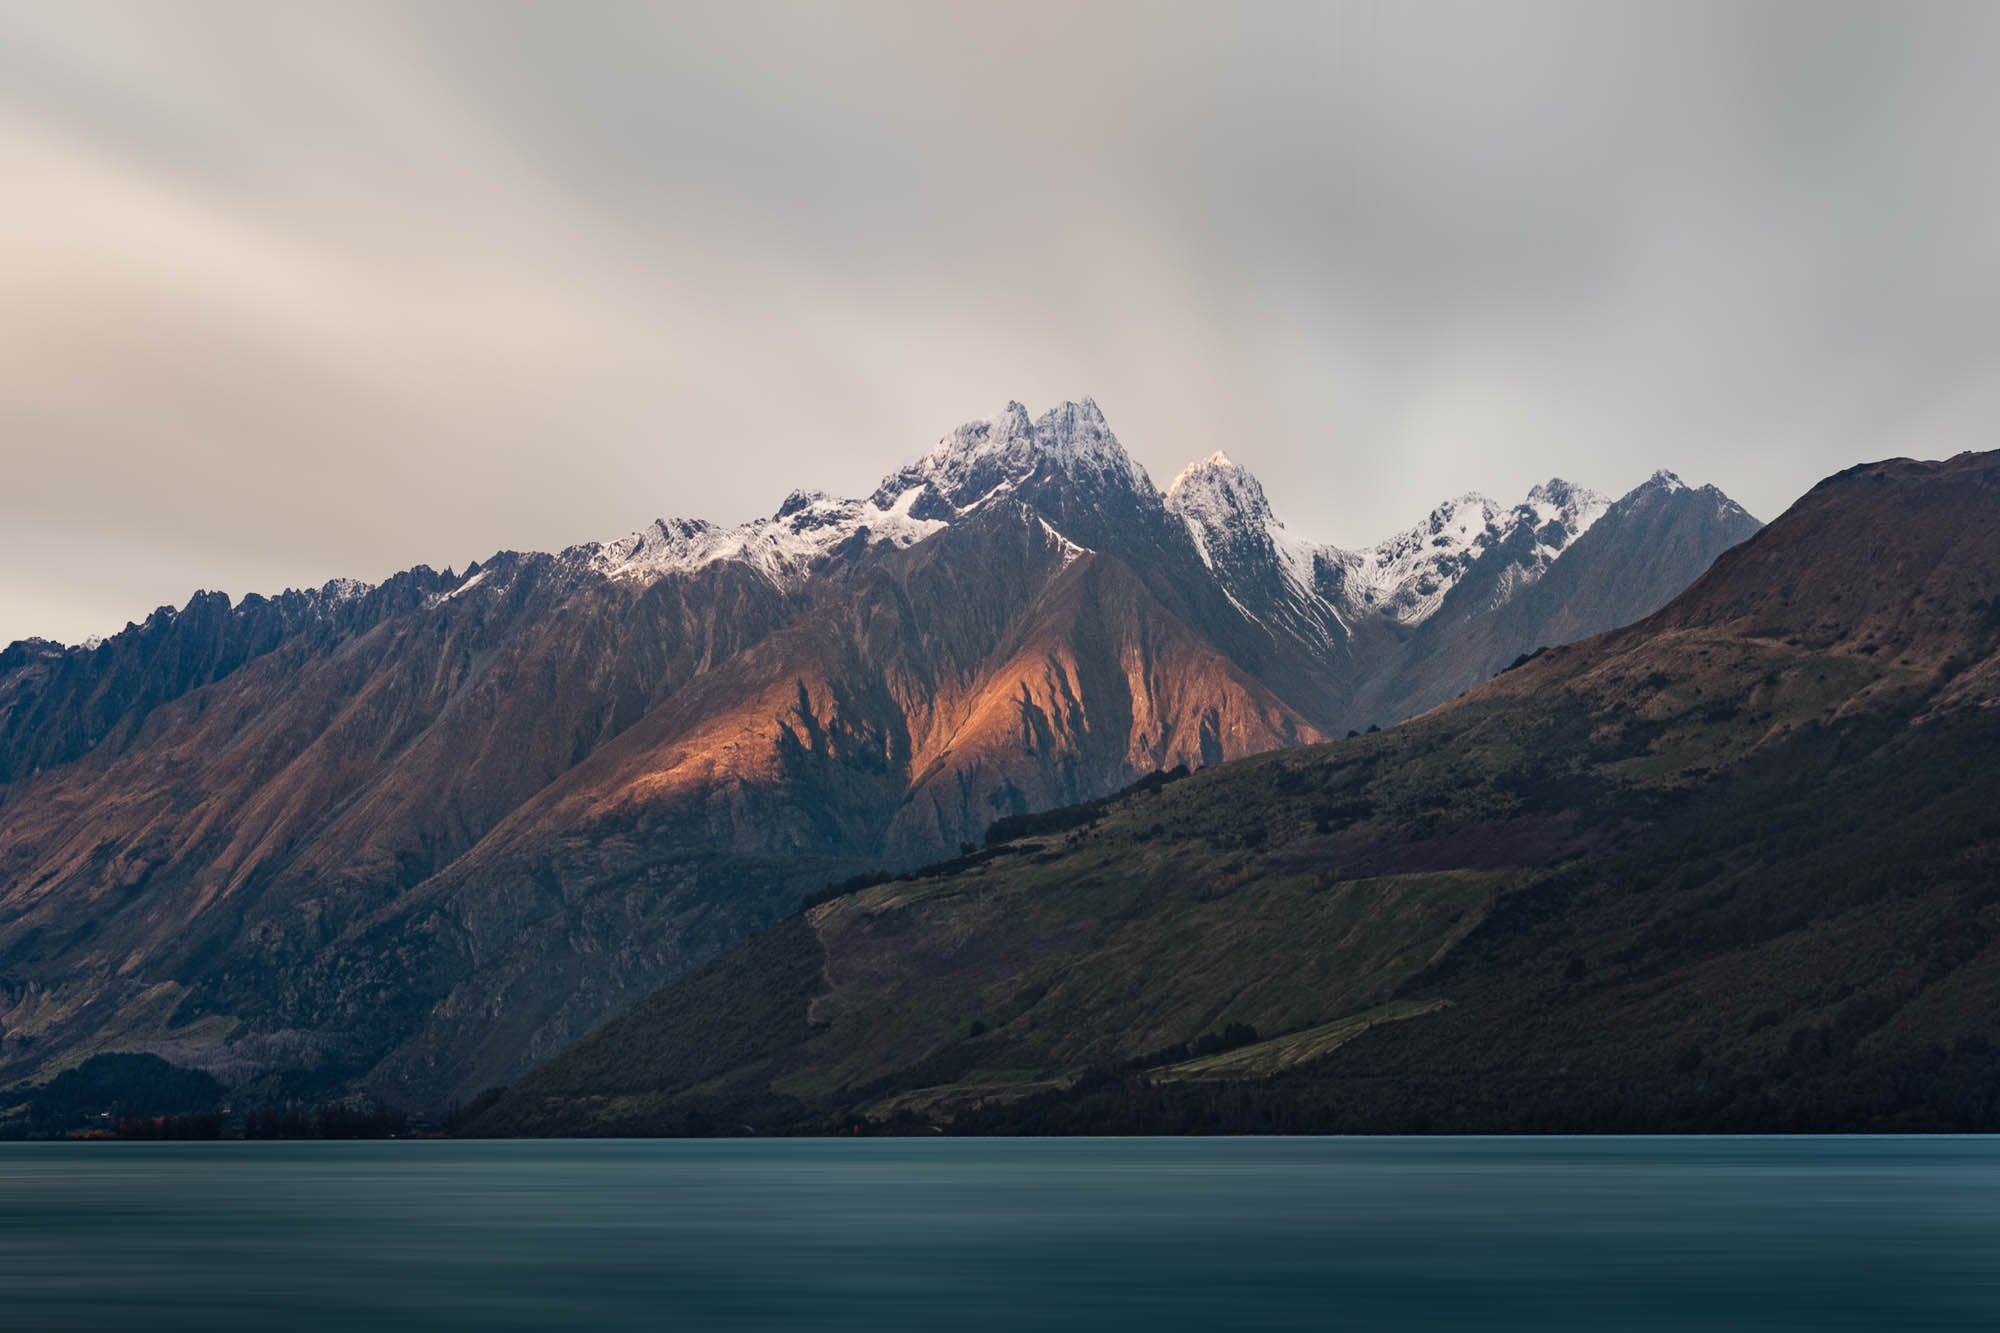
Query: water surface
<point x="1000" y="1234"/>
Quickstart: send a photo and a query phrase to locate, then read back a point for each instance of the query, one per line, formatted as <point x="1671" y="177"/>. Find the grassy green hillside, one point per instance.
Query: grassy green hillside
<point x="1737" y="867"/>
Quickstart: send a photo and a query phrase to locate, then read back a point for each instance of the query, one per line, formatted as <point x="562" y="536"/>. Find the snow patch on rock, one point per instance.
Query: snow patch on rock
<point x="783" y="548"/>
<point x="983" y="459"/>
<point x="1406" y="578"/>
<point x="979" y="462"/>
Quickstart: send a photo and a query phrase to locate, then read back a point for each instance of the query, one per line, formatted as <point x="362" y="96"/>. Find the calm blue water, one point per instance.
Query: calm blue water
<point x="983" y="1234"/>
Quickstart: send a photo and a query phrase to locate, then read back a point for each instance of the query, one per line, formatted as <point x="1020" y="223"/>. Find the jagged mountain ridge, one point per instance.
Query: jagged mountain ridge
<point x="1733" y="868"/>
<point x="1404" y="578"/>
<point x="1632" y="554"/>
<point x="426" y="833"/>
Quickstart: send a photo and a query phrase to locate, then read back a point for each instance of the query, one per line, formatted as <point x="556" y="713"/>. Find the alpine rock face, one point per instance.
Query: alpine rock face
<point x="1402" y="581"/>
<point x="1408" y="577"/>
<point x="1730" y="869"/>
<point x="417" y="837"/>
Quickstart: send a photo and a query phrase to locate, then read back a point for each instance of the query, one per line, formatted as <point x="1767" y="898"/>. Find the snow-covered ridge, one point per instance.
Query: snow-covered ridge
<point x="1272" y="575"/>
<point x="806" y="528"/>
<point x="982" y="458"/>
<point x="1265" y="569"/>
<point x="1229" y="519"/>
<point x="977" y="463"/>
<point x="1406" y="577"/>
<point x="1409" y="575"/>
<point x="1218" y="491"/>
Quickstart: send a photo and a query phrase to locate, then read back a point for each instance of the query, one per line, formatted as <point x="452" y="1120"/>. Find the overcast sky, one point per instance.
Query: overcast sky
<point x="291" y="292"/>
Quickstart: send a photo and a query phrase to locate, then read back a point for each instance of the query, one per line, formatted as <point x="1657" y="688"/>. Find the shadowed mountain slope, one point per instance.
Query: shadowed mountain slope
<point x="420" y="836"/>
<point x="1735" y="867"/>
<point x="1632" y="560"/>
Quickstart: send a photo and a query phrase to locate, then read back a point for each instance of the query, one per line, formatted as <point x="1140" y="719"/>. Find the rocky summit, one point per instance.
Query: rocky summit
<point x="1732" y="868"/>
<point x="416" y="838"/>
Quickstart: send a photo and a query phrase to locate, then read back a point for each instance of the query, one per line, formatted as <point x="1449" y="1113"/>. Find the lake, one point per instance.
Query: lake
<point x="969" y="1234"/>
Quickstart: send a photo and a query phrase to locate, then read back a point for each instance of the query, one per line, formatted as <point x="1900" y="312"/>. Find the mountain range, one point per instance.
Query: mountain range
<point x="418" y="837"/>
<point x="1735" y="867"/>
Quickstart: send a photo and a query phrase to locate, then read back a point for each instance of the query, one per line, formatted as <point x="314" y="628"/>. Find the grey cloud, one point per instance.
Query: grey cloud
<point x="287" y="293"/>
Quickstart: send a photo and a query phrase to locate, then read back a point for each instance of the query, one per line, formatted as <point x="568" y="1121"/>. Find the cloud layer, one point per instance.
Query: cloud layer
<point x="289" y="293"/>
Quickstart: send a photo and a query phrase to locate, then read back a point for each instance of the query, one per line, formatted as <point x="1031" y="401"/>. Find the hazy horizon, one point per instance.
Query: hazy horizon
<point x="289" y="295"/>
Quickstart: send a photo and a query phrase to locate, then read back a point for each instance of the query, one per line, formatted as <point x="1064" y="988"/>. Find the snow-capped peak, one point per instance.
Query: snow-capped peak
<point x="975" y="462"/>
<point x="1221" y="505"/>
<point x="1217" y="461"/>
<point x="1658" y="488"/>
<point x="808" y="526"/>
<point x="983" y="457"/>
<point x="1559" y="493"/>
<point x="1564" y="503"/>
<point x="664" y="541"/>
<point x="1267" y="572"/>
<point x="1217" y="491"/>
<point x="1228" y="516"/>
<point x="1409" y="575"/>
